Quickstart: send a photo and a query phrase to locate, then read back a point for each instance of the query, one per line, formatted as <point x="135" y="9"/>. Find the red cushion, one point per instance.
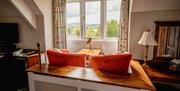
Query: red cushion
<point x="59" y="58"/>
<point x="114" y="62"/>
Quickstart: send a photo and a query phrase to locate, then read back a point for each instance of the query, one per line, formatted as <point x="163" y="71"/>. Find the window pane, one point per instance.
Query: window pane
<point x="112" y="18"/>
<point x="92" y="21"/>
<point x="73" y="19"/>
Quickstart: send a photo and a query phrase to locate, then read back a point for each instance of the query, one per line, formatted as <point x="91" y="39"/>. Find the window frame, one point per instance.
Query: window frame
<point x="103" y="18"/>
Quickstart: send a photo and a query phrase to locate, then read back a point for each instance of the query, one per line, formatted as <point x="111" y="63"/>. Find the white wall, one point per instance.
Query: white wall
<point x="141" y="21"/>
<point x="154" y="5"/>
<point x="46" y="8"/>
<point x="27" y="13"/>
<point x="6" y="9"/>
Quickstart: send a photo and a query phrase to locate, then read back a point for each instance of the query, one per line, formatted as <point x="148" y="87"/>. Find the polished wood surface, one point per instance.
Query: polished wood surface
<point x="136" y="79"/>
<point x="32" y="60"/>
<point x="90" y="52"/>
<point x="156" y="74"/>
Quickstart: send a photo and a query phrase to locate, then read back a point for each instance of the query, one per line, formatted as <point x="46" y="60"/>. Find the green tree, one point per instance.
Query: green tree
<point x="90" y="32"/>
<point x="98" y="31"/>
<point x="73" y="30"/>
<point x="112" y="28"/>
<point x="93" y="31"/>
<point x="76" y="31"/>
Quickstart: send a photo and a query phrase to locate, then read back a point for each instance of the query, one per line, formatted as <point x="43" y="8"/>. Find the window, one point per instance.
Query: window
<point x="73" y="19"/>
<point x="93" y="18"/>
<point x="112" y="18"/>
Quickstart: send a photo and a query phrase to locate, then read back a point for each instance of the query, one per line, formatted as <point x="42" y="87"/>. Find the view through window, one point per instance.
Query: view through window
<point x="112" y="18"/>
<point x="73" y="19"/>
<point x="93" y="18"/>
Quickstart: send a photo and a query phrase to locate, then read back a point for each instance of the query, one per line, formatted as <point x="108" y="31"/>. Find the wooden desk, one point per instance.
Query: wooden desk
<point x="87" y="79"/>
<point x="29" y="60"/>
<point x="160" y="75"/>
<point x="13" y="74"/>
<point x="90" y="52"/>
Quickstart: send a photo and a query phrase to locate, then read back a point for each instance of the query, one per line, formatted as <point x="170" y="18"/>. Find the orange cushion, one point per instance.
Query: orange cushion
<point x="59" y="58"/>
<point x="113" y="62"/>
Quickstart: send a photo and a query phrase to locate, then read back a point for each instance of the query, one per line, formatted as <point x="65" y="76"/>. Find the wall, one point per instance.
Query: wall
<point x="46" y="8"/>
<point x="141" y="21"/>
<point x="154" y="5"/>
<point x="27" y="13"/>
<point x="28" y="36"/>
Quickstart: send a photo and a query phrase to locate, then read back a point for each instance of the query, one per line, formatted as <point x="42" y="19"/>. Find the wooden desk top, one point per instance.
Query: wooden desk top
<point x="138" y="79"/>
<point x="162" y="75"/>
<point x="90" y="52"/>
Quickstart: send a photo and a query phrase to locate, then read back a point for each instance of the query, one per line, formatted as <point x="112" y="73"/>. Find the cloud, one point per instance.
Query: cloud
<point x="92" y="7"/>
<point x="113" y="5"/>
<point x="93" y="18"/>
<point x="93" y="11"/>
<point x="73" y="20"/>
<point x="73" y="9"/>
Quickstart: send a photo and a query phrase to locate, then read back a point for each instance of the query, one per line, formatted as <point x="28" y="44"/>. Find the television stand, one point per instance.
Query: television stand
<point x="12" y="68"/>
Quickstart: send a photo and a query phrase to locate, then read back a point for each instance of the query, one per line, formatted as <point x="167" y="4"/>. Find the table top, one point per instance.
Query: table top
<point x="137" y="79"/>
<point x="90" y="52"/>
<point x="156" y="74"/>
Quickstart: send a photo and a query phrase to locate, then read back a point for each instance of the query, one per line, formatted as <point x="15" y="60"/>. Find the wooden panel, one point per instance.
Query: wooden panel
<point x="162" y="40"/>
<point x="179" y="45"/>
<point x="162" y="75"/>
<point x="167" y="34"/>
<point x="43" y="86"/>
<point x="32" y="60"/>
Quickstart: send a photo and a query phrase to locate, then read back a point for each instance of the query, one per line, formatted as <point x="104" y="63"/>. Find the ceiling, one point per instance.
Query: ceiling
<point x="154" y="5"/>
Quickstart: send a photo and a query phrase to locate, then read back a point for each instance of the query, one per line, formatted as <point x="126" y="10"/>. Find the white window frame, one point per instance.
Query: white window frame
<point x="103" y="8"/>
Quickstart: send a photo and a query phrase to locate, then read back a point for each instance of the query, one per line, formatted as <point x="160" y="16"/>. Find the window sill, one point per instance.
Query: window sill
<point x="112" y="40"/>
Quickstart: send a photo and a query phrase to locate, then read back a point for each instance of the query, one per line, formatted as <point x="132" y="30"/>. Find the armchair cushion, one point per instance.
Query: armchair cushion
<point x="113" y="62"/>
<point x="60" y="58"/>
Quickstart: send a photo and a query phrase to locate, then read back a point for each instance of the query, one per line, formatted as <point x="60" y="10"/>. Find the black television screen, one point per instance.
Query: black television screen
<point x="9" y="33"/>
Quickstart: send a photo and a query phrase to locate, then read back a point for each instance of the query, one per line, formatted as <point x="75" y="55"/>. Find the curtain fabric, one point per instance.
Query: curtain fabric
<point x="59" y="23"/>
<point x="124" y="23"/>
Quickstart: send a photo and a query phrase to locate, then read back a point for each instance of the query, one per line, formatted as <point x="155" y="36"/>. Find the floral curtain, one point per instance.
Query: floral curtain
<point x="124" y="23"/>
<point x="59" y="23"/>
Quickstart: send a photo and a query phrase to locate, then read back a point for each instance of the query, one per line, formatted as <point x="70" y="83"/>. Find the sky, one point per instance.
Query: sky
<point x="92" y="11"/>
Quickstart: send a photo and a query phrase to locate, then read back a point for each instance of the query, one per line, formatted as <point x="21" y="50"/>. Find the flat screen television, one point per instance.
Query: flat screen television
<point x="9" y="33"/>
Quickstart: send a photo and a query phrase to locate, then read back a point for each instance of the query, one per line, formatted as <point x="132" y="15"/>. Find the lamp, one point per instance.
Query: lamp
<point x="147" y="40"/>
<point x="89" y="42"/>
